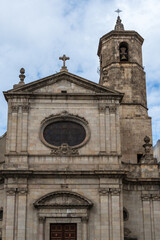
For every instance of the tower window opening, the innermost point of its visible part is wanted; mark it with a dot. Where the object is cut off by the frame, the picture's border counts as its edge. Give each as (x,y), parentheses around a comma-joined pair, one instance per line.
(123,52)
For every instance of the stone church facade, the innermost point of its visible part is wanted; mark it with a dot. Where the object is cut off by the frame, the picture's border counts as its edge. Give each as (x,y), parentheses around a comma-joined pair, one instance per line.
(78,161)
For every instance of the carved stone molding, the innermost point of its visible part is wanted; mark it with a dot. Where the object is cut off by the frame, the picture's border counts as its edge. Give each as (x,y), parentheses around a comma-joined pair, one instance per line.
(64,115)
(63,199)
(103,191)
(64,150)
(112,109)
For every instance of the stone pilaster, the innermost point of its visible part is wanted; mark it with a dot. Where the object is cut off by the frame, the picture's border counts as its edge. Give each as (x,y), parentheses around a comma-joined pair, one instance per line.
(108,134)
(104,206)
(41,228)
(84,228)
(102,109)
(147,224)
(13,128)
(116,209)
(25,110)
(10,213)
(112,110)
(21,228)
(19,129)
(156,215)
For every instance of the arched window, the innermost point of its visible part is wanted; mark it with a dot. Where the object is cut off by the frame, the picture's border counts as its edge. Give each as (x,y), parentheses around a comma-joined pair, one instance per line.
(123,52)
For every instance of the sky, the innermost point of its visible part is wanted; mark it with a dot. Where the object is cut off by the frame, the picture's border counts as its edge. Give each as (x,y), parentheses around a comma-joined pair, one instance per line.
(35,33)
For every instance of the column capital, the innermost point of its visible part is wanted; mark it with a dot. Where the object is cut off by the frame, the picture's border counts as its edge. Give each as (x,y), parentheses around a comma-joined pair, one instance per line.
(84,219)
(42,219)
(103,191)
(11,191)
(115,191)
(25,108)
(14,108)
(22,191)
(112,109)
(102,107)
(156,197)
(146,197)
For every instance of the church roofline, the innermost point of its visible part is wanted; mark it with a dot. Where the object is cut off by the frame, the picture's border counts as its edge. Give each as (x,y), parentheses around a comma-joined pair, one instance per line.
(22,90)
(114,33)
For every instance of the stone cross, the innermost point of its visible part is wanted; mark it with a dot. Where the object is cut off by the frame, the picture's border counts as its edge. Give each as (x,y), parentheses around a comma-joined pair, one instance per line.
(64,58)
(118,11)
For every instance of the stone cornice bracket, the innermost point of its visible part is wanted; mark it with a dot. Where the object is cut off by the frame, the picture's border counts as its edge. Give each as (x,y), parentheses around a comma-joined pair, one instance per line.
(112,109)
(103,191)
(102,107)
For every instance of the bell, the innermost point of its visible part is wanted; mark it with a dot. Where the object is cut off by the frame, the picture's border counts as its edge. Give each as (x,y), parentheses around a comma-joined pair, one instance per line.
(123,57)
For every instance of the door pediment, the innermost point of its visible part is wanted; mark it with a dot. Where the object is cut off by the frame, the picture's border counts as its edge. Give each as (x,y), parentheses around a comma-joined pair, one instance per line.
(63,199)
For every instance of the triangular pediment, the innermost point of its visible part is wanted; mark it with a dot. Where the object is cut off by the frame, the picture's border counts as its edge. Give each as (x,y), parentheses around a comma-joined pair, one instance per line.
(63,199)
(62,82)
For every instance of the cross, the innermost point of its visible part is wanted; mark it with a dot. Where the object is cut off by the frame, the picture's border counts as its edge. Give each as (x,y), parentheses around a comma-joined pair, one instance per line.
(64,58)
(118,11)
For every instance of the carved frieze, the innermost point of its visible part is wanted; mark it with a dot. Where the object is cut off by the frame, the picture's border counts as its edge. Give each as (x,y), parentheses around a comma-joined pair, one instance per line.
(64,150)
(115,191)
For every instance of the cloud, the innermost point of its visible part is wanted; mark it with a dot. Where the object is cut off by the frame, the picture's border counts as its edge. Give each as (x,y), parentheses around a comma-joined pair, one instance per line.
(35,33)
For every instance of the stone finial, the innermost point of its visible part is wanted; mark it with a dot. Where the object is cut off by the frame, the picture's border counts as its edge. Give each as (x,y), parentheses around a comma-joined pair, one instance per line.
(147,157)
(119,26)
(22,76)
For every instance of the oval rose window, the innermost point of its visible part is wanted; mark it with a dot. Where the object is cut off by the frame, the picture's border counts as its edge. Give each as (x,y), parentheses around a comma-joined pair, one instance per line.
(69,132)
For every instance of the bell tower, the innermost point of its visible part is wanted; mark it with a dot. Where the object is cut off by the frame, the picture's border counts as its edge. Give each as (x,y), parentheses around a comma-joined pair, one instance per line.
(121,68)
